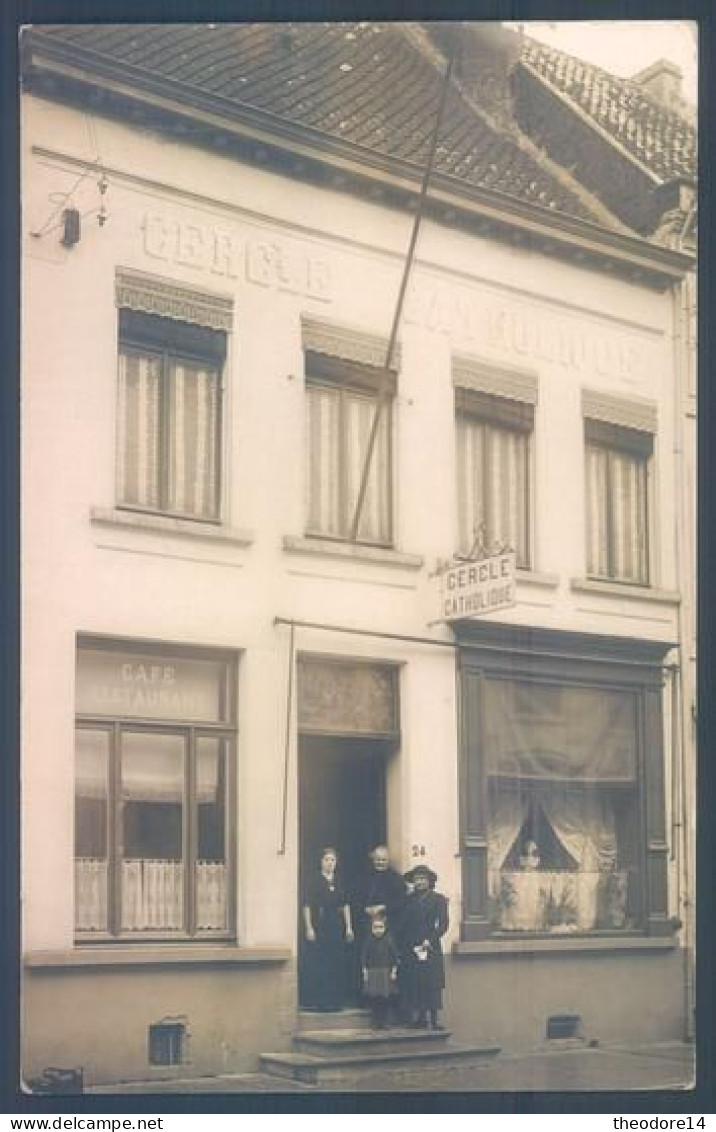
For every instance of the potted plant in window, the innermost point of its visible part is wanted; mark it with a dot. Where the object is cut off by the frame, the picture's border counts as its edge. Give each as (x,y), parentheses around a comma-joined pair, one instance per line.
(560,913)
(503,902)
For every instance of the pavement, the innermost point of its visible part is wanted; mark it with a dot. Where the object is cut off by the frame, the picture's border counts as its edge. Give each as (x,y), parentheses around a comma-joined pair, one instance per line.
(569,1067)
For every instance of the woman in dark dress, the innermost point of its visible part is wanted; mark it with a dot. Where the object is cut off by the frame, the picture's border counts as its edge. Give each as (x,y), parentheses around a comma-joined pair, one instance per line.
(424,922)
(327,925)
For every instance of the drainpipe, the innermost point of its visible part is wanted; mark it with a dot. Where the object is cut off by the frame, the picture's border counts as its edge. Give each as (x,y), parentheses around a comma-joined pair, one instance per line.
(681,818)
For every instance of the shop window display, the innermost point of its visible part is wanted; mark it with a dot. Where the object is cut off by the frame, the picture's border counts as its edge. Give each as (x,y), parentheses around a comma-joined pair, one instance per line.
(563,814)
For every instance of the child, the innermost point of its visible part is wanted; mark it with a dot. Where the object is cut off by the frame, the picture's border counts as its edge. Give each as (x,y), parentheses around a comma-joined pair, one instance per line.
(379,962)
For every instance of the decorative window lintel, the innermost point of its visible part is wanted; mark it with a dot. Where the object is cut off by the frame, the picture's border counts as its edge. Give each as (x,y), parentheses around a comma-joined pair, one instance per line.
(137,291)
(483,376)
(639,414)
(349,344)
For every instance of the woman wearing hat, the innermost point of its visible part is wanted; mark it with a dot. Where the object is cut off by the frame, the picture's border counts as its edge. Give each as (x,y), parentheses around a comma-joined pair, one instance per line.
(425,921)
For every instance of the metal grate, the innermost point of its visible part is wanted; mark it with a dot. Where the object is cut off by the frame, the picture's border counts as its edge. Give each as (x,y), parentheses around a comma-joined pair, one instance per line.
(166,1043)
(564,1026)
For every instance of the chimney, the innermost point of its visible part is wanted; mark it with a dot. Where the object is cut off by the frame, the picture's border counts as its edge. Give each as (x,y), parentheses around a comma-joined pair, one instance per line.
(662,79)
(486,55)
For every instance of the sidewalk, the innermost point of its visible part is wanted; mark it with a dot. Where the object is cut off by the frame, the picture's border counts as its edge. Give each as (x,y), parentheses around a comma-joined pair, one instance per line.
(574,1068)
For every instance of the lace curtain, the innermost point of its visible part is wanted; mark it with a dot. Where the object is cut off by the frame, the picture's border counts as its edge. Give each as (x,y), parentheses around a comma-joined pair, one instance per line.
(558,748)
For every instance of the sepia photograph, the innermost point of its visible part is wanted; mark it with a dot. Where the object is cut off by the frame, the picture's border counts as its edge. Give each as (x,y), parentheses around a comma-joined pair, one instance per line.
(358,557)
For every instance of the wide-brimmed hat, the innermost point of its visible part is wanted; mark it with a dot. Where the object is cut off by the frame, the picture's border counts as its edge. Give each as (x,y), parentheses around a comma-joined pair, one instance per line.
(419,870)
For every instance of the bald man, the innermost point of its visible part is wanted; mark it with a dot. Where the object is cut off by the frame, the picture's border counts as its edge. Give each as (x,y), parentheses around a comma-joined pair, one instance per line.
(383,891)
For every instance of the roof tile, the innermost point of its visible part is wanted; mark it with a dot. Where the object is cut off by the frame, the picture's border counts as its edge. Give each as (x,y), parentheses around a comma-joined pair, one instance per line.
(364,83)
(664,140)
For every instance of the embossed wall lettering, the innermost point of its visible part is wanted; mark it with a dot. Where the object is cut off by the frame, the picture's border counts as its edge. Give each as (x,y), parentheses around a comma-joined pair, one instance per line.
(528,333)
(280,264)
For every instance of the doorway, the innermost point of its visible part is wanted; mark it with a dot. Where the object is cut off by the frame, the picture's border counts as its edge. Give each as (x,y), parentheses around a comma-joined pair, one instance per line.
(342,802)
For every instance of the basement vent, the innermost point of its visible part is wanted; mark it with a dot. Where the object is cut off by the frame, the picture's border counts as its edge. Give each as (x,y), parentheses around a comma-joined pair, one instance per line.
(166,1043)
(564,1026)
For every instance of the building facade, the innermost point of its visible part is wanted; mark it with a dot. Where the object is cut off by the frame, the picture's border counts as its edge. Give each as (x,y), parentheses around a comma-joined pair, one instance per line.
(222,670)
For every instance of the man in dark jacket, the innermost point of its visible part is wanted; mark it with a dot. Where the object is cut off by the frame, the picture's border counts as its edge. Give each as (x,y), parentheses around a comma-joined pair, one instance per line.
(382,893)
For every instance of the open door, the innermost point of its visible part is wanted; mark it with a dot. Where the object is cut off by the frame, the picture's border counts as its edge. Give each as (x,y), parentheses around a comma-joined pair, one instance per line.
(342,802)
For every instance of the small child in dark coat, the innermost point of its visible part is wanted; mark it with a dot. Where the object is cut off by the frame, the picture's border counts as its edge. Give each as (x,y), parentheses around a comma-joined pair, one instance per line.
(379,962)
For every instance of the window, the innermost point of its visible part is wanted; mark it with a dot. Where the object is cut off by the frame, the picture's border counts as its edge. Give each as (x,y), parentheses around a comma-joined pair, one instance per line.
(493,473)
(562,783)
(167,1041)
(341,399)
(619,442)
(617,502)
(169,416)
(563,817)
(154,750)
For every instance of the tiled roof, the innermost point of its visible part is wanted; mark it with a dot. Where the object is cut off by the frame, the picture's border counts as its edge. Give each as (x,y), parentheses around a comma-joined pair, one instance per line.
(663,140)
(364,83)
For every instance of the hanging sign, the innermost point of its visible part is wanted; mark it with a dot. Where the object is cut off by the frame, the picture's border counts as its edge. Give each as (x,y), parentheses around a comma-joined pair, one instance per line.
(478,586)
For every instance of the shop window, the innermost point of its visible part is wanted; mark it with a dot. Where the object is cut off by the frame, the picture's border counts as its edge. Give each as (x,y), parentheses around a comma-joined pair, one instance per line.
(493,472)
(341,401)
(562,783)
(153,761)
(617,466)
(562,807)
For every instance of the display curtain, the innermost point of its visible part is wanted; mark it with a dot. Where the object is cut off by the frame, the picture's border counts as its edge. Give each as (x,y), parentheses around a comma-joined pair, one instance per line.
(507,814)
(584,824)
(571,734)
(557,748)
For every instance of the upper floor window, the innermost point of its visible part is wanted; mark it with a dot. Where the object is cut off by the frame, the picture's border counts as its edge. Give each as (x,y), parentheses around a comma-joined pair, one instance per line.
(617,466)
(169,426)
(493,471)
(154,751)
(342,395)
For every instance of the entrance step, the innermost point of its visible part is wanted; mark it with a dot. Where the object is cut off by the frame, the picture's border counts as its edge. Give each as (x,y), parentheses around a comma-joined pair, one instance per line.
(342,1067)
(353,1018)
(331,1043)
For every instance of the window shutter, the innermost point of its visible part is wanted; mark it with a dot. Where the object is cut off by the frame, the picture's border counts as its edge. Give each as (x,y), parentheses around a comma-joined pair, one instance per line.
(497,410)
(159,333)
(619,422)
(619,438)
(505,395)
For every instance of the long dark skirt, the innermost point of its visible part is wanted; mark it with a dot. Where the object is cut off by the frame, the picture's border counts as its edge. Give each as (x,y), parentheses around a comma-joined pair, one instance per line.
(422,983)
(327,973)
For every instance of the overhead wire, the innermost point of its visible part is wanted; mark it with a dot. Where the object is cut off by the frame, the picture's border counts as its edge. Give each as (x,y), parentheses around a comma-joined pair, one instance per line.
(382,394)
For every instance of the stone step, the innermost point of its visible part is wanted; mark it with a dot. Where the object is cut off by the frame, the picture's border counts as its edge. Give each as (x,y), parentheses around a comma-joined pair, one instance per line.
(330,1043)
(352,1018)
(347,1069)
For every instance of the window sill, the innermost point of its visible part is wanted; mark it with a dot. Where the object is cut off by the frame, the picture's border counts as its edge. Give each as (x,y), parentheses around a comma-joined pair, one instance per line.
(99,955)
(564,945)
(533,578)
(167,525)
(356,552)
(625,590)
